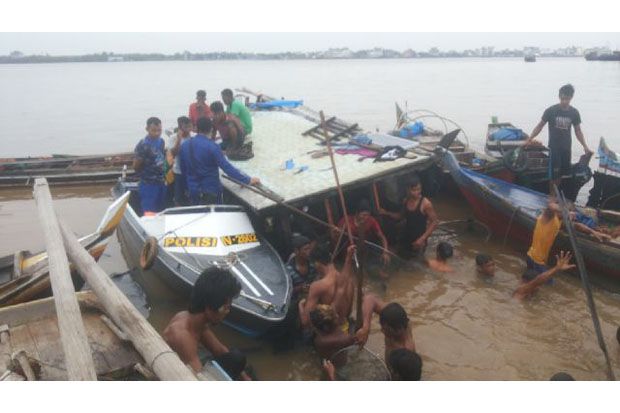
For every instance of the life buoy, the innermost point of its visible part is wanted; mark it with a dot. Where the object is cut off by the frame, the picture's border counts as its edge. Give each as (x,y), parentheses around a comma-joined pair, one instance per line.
(149,253)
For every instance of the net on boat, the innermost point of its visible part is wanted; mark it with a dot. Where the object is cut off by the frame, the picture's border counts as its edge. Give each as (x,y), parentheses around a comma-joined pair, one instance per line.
(359,364)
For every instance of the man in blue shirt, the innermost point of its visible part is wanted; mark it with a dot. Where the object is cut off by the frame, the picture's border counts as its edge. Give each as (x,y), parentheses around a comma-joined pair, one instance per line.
(201,159)
(149,164)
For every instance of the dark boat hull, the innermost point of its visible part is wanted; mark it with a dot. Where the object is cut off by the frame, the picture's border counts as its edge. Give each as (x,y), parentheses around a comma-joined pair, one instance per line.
(513,216)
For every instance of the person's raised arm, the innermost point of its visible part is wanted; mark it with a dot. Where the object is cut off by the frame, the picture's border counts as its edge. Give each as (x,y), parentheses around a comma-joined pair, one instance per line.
(370,305)
(562,264)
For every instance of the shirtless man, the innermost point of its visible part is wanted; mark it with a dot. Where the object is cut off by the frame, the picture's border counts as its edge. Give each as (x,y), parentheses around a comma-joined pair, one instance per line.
(440,262)
(334,288)
(527,288)
(210,303)
(394,324)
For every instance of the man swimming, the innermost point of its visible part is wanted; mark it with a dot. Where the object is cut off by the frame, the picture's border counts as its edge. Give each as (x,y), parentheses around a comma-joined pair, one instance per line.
(444,252)
(485,265)
(527,288)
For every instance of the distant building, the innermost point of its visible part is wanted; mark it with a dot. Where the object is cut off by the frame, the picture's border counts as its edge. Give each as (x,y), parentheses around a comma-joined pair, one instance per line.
(341,53)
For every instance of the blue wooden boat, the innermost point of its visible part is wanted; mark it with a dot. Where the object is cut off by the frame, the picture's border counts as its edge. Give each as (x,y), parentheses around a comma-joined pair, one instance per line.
(510,211)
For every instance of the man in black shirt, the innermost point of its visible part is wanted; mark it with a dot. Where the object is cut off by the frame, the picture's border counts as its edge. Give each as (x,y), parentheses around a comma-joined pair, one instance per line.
(560,118)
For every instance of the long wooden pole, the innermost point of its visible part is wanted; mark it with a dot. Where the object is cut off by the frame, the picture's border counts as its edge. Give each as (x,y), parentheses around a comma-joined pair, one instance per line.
(78,357)
(359,271)
(160,358)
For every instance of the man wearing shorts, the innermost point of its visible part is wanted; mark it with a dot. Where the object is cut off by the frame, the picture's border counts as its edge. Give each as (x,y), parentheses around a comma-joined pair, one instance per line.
(560,117)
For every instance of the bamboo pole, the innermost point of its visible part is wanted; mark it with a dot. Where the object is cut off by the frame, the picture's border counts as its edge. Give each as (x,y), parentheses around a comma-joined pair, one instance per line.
(358,264)
(159,357)
(78,357)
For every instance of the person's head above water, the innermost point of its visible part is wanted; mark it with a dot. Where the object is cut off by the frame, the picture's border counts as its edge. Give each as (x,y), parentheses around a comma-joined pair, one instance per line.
(405,365)
(227,96)
(153,127)
(566,94)
(485,265)
(324,318)
(444,251)
(213,293)
(203,126)
(393,319)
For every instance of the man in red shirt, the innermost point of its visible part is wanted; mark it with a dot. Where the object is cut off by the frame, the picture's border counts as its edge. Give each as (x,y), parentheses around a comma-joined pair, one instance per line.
(200,108)
(362,223)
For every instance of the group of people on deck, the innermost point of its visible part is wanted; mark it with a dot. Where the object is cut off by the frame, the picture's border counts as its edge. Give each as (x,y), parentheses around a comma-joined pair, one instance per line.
(187,167)
(322,293)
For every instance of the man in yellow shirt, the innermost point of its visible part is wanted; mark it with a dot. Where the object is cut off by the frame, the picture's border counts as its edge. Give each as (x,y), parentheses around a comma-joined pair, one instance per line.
(547,227)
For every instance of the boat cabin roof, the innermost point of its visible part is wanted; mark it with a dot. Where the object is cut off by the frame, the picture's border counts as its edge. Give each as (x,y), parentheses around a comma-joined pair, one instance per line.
(277,137)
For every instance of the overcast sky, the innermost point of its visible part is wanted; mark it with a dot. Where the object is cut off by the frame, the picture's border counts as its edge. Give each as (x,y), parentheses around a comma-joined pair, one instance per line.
(83,43)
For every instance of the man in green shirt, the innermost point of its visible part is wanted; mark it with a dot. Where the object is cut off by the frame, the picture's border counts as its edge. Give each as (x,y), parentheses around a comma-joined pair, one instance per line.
(238,109)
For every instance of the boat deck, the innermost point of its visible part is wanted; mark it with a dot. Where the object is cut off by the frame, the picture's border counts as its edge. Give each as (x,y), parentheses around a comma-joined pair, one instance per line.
(278,136)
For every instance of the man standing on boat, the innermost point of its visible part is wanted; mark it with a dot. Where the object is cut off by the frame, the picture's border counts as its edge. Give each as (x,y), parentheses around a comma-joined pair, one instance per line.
(149,164)
(199,108)
(201,159)
(174,145)
(560,117)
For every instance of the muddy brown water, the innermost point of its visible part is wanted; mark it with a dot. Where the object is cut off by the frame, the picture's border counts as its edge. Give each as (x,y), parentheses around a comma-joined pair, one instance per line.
(465,328)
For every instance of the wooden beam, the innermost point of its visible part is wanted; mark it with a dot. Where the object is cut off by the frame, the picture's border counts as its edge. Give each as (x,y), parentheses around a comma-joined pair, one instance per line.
(78,357)
(159,357)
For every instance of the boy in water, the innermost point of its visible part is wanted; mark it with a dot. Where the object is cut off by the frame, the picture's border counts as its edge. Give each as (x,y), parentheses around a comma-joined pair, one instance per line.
(328,338)
(527,288)
(485,265)
(440,262)
(210,303)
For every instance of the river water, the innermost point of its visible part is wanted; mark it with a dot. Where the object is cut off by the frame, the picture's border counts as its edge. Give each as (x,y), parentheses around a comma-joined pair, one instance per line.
(465,328)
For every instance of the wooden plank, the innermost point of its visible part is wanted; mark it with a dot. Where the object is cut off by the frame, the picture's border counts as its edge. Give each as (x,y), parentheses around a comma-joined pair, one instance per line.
(159,357)
(78,359)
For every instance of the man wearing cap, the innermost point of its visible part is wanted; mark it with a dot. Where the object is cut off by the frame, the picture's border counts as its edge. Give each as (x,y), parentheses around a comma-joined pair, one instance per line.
(299,267)
(199,108)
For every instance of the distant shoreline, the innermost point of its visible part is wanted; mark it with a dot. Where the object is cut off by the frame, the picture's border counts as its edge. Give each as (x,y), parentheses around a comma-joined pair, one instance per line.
(5,60)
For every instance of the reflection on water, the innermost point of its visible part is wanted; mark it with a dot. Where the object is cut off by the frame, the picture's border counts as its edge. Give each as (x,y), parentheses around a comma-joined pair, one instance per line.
(465,328)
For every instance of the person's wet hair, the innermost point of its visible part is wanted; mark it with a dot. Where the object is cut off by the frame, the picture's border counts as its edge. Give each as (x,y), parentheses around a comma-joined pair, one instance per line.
(201,94)
(562,376)
(321,254)
(394,316)
(183,120)
(363,206)
(323,318)
(567,90)
(444,250)
(213,288)
(153,121)
(203,125)
(483,259)
(405,364)
(227,92)
(217,107)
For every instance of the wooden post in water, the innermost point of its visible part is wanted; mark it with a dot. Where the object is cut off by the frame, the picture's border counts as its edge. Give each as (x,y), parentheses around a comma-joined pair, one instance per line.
(78,357)
(159,357)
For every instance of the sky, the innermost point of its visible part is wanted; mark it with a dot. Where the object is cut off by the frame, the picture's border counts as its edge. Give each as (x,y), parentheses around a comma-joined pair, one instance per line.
(84,43)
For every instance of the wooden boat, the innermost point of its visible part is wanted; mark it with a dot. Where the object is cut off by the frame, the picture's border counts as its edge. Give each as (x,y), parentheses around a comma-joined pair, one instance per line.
(528,166)
(606,190)
(510,211)
(24,276)
(190,239)
(530,58)
(33,328)
(65,169)
(606,57)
